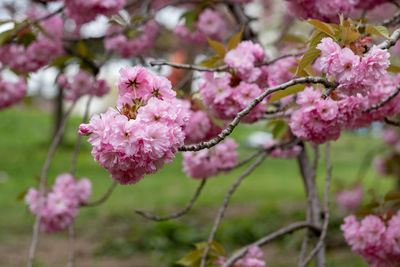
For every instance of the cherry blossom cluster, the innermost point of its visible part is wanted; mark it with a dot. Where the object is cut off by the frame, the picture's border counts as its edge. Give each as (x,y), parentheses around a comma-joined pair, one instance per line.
(225,101)
(210,24)
(375,239)
(200,127)
(253,258)
(243,59)
(11,93)
(350,199)
(40,52)
(319,120)
(60,206)
(85,11)
(134,46)
(285,153)
(355,74)
(83,83)
(328,10)
(210,162)
(144,132)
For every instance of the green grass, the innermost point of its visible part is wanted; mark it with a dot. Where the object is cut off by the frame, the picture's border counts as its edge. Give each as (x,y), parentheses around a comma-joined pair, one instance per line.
(272,193)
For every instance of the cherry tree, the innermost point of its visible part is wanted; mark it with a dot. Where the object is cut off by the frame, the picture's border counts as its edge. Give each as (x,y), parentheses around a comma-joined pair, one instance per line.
(307,91)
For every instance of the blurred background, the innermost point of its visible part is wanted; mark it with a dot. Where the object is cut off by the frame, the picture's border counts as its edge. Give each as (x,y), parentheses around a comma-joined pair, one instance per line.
(112,234)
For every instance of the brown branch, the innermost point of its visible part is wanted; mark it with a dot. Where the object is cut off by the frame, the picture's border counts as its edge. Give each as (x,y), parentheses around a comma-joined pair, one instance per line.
(30,23)
(103,198)
(393,123)
(79,139)
(187,66)
(177,214)
(267,239)
(224,205)
(393,21)
(321,241)
(42,186)
(220,68)
(383,102)
(391,41)
(71,234)
(231,126)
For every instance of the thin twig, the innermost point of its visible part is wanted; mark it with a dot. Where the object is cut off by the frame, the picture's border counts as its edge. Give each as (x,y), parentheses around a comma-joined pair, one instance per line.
(391,41)
(216,69)
(224,205)
(103,198)
(23,26)
(43,179)
(393,21)
(71,234)
(187,66)
(231,126)
(267,239)
(177,214)
(394,123)
(386,100)
(321,241)
(79,139)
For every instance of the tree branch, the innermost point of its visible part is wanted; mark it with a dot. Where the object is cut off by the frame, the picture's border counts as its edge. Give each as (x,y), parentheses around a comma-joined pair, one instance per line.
(321,241)
(383,102)
(177,214)
(224,205)
(267,239)
(231,126)
(42,186)
(79,139)
(394,123)
(103,198)
(391,41)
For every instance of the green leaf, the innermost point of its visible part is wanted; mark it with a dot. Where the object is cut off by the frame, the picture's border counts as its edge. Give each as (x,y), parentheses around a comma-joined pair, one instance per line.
(377,30)
(82,49)
(288,91)
(131,33)
(393,68)
(5,35)
(279,128)
(347,34)
(191,258)
(27,39)
(217,248)
(392,195)
(211,62)
(190,17)
(322,26)
(235,40)
(363,212)
(22,194)
(218,47)
(312,52)
(372,205)
(291,38)
(60,61)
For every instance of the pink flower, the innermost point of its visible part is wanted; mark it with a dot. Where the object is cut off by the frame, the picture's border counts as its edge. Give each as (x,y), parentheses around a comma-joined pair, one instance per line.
(59,206)
(11,93)
(224,101)
(85,11)
(83,83)
(210,24)
(144,133)
(350,199)
(142,41)
(210,162)
(243,59)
